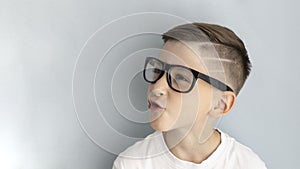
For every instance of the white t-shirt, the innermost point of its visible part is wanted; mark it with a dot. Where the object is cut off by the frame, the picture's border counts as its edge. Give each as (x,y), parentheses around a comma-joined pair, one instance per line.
(152,153)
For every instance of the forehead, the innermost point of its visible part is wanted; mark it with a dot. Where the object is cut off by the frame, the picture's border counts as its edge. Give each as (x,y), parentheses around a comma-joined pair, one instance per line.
(186,54)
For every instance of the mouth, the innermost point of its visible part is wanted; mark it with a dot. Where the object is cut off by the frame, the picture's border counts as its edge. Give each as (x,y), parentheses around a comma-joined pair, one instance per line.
(154,106)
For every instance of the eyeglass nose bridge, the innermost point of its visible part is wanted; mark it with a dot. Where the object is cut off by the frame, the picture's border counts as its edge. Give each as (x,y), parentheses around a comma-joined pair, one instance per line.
(165,69)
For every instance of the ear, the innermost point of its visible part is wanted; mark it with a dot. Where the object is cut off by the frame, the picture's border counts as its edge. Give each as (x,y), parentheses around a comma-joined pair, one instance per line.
(225,104)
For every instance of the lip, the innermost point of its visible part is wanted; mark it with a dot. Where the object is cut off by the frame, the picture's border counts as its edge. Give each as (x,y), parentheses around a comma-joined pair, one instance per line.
(155,106)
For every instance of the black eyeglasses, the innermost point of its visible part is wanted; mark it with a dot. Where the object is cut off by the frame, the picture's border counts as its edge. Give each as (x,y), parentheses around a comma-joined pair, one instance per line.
(180,78)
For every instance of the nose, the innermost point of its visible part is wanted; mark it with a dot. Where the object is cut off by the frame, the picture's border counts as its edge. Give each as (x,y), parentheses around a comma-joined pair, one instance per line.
(157,93)
(160,87)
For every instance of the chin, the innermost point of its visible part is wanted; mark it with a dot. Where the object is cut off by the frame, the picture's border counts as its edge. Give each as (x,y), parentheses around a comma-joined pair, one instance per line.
(156,126)
(160,126)
(160,121)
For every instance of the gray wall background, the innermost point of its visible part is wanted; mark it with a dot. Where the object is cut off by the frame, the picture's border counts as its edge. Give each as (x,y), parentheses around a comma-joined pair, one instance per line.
(39,45)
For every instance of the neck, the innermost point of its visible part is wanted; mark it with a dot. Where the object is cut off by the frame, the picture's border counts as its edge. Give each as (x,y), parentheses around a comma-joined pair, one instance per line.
(192,147)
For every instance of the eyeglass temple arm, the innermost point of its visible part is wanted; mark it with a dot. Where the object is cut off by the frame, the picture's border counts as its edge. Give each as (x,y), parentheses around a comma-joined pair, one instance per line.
(214,82)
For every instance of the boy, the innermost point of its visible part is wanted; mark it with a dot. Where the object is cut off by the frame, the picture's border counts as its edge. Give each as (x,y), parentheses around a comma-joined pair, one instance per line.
(194,81)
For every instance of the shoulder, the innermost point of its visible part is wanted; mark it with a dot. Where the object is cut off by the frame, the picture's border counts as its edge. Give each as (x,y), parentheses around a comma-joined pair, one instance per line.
(139,152)
(145,147)
(242,155)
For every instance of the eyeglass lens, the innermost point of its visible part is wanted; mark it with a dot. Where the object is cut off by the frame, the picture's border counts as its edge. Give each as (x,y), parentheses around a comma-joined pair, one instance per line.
(179,78)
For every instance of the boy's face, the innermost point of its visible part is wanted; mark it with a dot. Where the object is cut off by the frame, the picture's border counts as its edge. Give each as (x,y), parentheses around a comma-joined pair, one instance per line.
(179,110)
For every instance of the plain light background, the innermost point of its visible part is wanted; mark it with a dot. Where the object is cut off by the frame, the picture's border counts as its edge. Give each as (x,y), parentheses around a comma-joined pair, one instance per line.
(39,45)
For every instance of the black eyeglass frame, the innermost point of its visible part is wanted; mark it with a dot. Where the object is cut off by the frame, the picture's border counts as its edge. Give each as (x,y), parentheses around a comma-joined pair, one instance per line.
(166,68)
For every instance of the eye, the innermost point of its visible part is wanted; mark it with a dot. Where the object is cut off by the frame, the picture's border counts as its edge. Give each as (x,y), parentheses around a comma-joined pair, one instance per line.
(180,77)
(155,70)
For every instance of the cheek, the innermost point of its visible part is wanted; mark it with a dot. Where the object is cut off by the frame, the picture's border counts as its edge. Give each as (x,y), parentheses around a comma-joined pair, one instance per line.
(190,105)
(199,100)
(205,99)
(183,111)
(183,104)
(174,104)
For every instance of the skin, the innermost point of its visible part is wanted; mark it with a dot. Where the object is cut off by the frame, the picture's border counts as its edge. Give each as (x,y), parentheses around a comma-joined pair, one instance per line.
(187,119)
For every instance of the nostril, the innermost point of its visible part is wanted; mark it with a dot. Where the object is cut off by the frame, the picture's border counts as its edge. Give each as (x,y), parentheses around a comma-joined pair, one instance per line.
(157,92)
